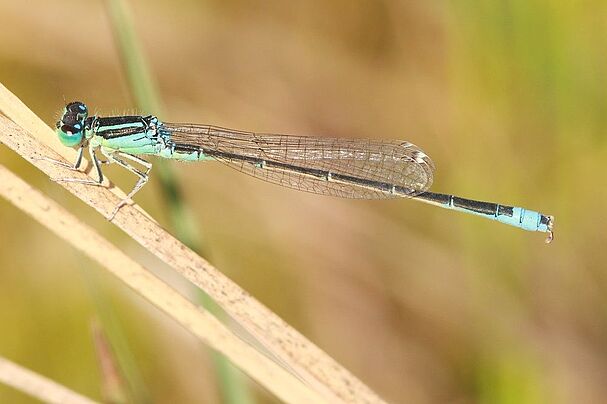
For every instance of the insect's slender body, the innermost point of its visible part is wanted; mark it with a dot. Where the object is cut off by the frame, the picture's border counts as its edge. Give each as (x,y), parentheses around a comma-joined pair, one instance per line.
(364,169)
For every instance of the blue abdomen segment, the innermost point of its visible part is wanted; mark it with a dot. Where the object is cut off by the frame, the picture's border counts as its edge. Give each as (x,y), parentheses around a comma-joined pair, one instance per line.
(525,219)
(514,216)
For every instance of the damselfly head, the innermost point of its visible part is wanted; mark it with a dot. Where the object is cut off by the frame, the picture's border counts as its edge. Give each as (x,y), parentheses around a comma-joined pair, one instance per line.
(70,128)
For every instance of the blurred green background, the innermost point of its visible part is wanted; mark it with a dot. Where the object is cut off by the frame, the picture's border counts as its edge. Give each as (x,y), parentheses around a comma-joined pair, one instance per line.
(422,304)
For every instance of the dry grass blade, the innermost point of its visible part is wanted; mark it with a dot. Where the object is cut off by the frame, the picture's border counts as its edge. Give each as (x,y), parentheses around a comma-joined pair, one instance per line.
(316,368)
(38,386)
(200,323)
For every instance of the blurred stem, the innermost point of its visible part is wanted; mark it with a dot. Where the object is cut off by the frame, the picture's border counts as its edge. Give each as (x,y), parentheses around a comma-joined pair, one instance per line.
(135,389)
(114,387)
(144,91)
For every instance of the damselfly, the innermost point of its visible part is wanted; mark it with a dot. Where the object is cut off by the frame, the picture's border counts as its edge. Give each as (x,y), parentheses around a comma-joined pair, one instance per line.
(349,168)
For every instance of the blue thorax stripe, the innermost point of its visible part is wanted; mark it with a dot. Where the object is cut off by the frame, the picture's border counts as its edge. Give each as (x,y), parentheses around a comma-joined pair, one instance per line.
(113,127)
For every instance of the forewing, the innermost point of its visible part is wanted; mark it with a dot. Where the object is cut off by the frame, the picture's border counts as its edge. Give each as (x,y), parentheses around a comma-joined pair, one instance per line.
(321,163)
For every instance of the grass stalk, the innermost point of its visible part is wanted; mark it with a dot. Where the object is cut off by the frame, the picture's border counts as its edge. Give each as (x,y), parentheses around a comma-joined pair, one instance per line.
(38,386)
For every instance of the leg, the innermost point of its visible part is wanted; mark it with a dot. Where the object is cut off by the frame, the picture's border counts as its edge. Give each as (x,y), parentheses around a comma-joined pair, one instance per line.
(96,163)
(73,167)
(119,158)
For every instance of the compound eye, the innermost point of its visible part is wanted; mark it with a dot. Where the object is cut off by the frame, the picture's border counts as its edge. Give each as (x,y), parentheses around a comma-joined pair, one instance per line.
(77,107)
(71,129)
(69,119)
(70,135)
(68,129)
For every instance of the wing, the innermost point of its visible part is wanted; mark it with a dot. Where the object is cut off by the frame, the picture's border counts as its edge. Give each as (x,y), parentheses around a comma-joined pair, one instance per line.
(349,168)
